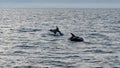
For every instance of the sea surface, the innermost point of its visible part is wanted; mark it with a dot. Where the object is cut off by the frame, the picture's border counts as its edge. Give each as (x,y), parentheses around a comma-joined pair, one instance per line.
(25,40)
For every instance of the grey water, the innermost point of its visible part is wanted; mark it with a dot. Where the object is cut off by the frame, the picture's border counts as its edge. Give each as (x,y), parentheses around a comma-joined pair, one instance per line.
(25,41)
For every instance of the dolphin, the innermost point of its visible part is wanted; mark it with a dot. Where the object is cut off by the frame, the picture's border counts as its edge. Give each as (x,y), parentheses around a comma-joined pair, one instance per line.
(75,38)
(55,31)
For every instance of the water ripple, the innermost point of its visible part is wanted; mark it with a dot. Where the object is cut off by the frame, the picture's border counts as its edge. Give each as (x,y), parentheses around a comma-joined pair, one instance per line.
(98,51)
(28,30)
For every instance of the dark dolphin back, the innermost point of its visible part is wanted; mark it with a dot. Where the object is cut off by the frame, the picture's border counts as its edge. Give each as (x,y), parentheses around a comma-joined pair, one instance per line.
(76,38)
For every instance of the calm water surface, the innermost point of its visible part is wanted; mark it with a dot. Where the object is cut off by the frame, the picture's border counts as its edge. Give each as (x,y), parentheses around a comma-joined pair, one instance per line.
(25,41)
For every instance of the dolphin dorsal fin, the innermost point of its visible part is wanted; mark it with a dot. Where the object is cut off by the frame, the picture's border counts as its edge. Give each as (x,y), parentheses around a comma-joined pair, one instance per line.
(57,28)
(72,34)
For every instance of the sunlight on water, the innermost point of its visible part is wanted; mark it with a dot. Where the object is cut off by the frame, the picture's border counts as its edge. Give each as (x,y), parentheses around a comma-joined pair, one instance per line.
(25,40)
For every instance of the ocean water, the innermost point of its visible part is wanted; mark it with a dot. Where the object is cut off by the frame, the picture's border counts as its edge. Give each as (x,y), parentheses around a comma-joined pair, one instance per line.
(25,41)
